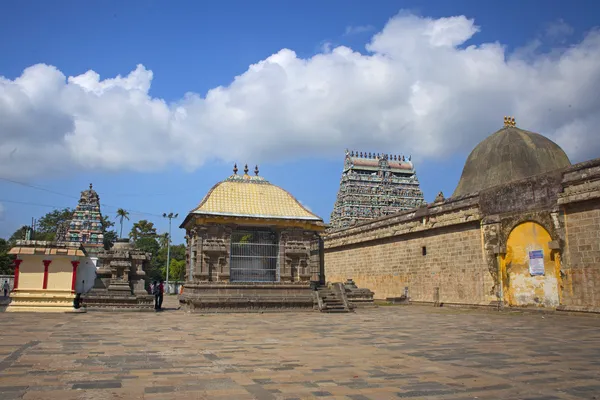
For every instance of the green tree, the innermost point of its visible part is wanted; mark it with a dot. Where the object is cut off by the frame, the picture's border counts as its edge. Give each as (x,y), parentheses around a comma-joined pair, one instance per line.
(163,240)
(19,234)
(109,235)
(6,260)
(121,215)
(176,270)
(150,245)
(109,239)
(46,226)
(142,229)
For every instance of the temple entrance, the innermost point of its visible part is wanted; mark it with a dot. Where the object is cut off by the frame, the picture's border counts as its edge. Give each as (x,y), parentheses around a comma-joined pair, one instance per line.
(530,270)
(254,256)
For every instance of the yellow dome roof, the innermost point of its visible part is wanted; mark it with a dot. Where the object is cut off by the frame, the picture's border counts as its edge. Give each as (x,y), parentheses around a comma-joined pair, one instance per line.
(254,197)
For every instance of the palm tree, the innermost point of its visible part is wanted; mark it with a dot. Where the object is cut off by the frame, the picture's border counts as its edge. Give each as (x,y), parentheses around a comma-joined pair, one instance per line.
(163,239)
(142,229)
(122,214)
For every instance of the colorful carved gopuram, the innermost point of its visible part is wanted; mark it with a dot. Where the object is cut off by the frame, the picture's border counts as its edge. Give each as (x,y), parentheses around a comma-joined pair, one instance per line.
(252,246)
(373,186)
(86,225)
(48,275)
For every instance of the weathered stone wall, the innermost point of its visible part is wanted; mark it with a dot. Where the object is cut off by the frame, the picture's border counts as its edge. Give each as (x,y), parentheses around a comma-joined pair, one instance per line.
(581,213)
(453,263)
(386,255)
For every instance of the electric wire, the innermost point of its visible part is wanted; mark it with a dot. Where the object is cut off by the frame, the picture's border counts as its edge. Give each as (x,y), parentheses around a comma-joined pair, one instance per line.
(136,212)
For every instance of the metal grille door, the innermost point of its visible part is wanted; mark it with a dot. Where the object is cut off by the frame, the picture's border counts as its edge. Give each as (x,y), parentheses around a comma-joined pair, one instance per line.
(254,257)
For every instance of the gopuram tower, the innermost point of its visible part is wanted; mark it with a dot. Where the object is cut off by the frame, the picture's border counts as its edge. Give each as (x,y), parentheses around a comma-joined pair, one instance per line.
(374,185)
(86,225)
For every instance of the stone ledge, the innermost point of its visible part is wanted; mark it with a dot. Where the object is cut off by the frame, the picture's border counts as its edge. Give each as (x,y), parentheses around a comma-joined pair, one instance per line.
(247,304)
(449,205)
(579,196)
(581,309)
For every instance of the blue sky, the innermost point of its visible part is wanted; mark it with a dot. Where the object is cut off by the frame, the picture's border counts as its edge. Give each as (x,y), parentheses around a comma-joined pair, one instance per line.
(198,46)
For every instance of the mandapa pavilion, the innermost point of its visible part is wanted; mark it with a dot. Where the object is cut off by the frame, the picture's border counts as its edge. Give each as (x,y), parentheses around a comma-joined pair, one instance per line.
(251,246)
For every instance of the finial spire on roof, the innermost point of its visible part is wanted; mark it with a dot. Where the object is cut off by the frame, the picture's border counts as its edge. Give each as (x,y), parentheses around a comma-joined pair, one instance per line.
(256,170)
(509,121)
(235,170)
(246,169)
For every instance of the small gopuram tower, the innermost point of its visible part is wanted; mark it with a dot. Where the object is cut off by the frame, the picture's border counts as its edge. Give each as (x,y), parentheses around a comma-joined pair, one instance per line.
(120,280)
(374,185)
(86,225)
(250,246)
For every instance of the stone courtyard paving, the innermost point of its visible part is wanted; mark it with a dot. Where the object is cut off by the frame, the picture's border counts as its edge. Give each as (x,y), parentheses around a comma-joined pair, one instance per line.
(387,353)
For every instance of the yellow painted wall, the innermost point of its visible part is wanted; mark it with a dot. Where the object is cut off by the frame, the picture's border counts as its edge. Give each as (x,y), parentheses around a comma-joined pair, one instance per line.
(31,272)
(520,288)
(60,274)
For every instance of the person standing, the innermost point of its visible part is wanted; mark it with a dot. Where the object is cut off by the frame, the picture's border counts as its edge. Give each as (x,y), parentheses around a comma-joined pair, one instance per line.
(6,288)
(161,290)
(155,291)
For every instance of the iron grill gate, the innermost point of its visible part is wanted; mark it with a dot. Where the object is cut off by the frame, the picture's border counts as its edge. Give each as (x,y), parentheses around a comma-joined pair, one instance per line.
(254,257)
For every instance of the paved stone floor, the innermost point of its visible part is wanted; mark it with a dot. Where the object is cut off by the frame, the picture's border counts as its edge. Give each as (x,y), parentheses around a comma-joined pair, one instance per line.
(394,352)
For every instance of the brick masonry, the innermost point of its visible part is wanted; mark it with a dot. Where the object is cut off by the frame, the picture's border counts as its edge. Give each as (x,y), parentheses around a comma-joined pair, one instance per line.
(581,212)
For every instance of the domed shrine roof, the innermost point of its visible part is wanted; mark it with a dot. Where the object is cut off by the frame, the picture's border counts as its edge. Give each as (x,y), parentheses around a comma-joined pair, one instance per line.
(252,196)
(509,155)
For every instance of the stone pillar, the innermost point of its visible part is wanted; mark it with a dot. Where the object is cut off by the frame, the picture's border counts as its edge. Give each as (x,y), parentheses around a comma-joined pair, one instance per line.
(224,272)
(322,279)
(197,256)
(190,261)
(493,250)
(46,265)
(207,268)
(74,276)
(202,271)
(16,282)
(285,263)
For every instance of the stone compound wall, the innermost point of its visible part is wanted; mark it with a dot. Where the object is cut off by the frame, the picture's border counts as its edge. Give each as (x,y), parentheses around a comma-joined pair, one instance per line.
(580,203)
(387,255)
(466,237)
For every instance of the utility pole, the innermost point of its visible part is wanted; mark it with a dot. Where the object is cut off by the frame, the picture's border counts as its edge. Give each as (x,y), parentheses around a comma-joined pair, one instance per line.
(170,216)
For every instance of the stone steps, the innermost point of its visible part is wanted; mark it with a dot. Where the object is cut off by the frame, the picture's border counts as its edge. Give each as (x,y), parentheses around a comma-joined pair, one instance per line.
(331,302)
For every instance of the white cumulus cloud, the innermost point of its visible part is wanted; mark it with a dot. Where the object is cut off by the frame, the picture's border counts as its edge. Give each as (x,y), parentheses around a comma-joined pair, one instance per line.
(420,88)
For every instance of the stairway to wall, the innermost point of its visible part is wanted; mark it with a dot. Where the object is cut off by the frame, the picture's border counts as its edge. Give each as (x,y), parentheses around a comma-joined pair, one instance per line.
(331,299)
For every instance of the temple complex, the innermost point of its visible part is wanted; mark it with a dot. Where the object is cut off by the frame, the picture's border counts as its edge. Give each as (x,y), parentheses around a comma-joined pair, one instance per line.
(521,230)
(120,280)
(48,275)
(86,225)
(373,186)
(251,246)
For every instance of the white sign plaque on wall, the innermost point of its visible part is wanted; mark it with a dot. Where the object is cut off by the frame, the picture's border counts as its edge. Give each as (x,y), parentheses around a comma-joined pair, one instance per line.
(536,262)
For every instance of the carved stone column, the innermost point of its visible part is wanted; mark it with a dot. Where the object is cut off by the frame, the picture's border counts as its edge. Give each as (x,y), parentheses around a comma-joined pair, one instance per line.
(285,268)
(197,257)
(224,273)
(297,254)
(214,256)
